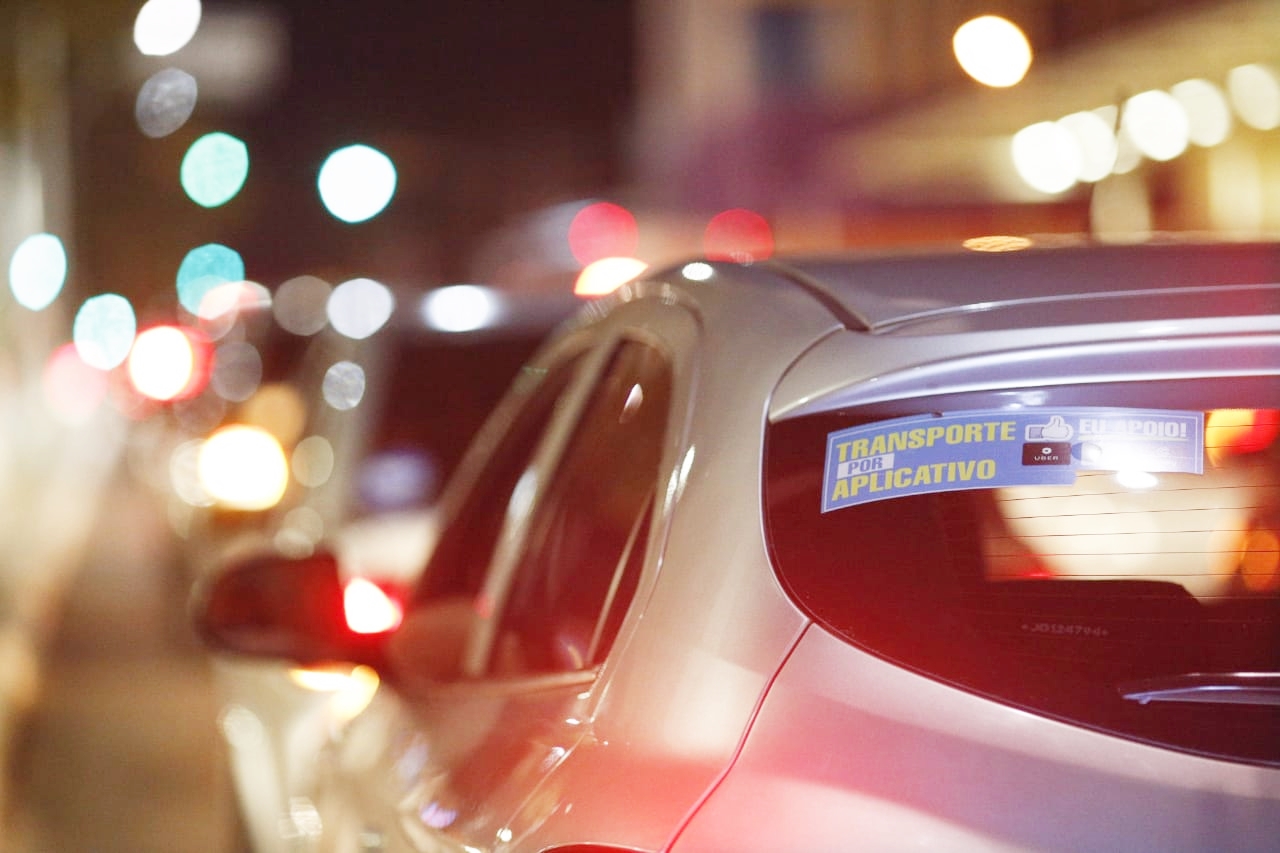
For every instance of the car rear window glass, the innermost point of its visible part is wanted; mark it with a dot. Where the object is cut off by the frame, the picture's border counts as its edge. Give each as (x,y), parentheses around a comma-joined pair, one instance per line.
(1114,567)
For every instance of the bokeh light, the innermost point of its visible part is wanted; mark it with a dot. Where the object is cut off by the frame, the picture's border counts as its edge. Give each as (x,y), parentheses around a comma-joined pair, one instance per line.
(103,330)
(1047,157)
(1260,561)
(697,271)
(163,27)
(343,385)
(1255,95)
(204,268)
(356,183)
(1233,432)
(278,408)
(1096,141)
(997,243)
(1208,113)
(460,308)
(368,608)
(607,275)
(37,271)
(73,390)
(300,532)
(225,304)
(397,479)
(738,235)
(1128,156)
(184,474)
(214,169)
(165,102)
(237,371)
(312,461)
(360,307)
(992,50)
(1157,124)
(603,230)
(350,701)
(169,363)
(301,305)
(243,467)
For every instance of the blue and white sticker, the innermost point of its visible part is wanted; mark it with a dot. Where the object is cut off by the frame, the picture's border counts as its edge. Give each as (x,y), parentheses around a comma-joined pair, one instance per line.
(988,449)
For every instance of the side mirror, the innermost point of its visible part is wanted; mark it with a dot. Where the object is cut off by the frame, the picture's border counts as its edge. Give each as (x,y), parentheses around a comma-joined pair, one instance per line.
(275,607)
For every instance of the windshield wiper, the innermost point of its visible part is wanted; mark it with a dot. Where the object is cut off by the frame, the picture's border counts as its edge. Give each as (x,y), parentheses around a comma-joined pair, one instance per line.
(1210,688)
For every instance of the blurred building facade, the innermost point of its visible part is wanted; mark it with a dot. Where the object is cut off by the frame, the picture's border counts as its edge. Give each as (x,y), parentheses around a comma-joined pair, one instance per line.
(851,122)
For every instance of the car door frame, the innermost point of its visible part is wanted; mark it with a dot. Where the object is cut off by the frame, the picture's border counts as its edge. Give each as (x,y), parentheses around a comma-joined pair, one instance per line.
(570,697)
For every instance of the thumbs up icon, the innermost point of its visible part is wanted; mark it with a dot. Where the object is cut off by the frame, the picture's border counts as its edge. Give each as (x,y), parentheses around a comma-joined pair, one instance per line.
(1055,430)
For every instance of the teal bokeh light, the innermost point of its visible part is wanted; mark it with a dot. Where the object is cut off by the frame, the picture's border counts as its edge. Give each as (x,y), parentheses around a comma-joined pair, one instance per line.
(37,271)
(103,331)
(204,268)
(214,169)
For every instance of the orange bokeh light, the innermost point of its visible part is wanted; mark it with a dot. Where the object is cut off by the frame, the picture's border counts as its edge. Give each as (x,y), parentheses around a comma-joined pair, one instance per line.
(1231,432)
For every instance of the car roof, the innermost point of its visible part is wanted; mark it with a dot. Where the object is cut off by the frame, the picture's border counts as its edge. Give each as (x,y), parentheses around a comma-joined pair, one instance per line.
(879,292)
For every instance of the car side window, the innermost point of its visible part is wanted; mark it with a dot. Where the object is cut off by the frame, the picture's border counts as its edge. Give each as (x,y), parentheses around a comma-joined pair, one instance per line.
(461,557)
(587,538)
(431,644)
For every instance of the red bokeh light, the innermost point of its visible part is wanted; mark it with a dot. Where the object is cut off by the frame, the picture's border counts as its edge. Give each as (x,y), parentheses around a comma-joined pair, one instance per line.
(738,235)
(72,389)
(603,230)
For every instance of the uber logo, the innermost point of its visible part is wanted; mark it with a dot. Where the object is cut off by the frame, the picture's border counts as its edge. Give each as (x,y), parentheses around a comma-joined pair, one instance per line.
(1046,453)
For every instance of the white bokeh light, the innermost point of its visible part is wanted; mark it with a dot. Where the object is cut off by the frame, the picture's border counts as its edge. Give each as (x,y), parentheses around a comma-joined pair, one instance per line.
(312,461)
(697,271)
(1255,95)
(992,50)
(356,183)
(243,467)
(163,27)
(165,102)
(162,362)
(1208,113)
(1157,124)
(301,304)
(237,372)
(360,307)
(1097,143)
(343,385)
(460,308)
(184,475)
(1047,157)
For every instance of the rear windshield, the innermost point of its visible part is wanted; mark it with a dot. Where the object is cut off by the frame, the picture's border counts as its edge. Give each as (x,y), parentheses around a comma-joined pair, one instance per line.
(1109,565)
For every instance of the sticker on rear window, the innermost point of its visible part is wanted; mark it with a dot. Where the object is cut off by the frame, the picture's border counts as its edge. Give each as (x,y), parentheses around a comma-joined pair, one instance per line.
(987,449)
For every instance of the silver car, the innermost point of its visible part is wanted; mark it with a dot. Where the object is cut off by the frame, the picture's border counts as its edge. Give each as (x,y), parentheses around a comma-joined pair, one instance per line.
(972,550)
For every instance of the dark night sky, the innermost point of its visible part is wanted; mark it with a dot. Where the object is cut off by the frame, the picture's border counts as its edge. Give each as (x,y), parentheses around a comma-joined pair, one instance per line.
(484,66)
(488,108)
